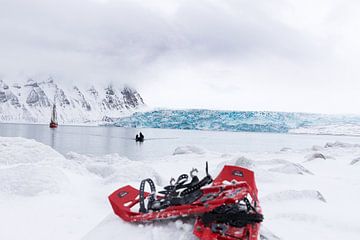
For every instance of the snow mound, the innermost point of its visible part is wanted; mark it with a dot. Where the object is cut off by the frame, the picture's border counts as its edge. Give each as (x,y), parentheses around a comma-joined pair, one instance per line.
(25,151)
(245,162)
(133,172)
(338,144)
(301,217)
(273,162)
(317,148)
(266,234)
(29,168)
(113,168)
(237,161)
(188,150)
(355,161)
(286,149)
(30,180)
(114,228)
(291,168)
(291,195)
(102,166)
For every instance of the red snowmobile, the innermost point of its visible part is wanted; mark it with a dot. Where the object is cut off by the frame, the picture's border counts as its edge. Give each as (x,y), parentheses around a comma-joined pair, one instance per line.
(225,208)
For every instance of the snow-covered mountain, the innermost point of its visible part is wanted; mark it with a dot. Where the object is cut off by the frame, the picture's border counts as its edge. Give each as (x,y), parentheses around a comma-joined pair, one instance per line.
(33,101)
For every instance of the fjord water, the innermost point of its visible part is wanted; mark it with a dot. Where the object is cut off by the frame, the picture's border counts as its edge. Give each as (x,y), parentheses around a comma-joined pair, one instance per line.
(100,140)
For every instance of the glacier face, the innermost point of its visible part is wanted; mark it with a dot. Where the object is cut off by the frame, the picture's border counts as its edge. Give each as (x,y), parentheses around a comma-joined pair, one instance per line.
(237,121)
(32,102)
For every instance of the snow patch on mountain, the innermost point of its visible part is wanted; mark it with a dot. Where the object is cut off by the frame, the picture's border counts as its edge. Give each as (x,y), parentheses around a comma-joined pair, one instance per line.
(33,101)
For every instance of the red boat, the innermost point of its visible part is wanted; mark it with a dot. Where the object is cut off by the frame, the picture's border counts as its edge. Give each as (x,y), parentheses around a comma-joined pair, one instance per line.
(225,208)
(53,121)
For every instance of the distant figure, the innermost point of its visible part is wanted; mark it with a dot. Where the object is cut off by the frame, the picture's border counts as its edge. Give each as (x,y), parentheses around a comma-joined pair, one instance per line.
(140,137)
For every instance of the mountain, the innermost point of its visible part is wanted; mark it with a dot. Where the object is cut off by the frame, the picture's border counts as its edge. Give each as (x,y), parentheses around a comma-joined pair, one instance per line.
(33,101)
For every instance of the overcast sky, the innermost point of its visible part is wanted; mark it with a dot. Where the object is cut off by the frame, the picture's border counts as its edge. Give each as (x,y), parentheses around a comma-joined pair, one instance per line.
(282,55)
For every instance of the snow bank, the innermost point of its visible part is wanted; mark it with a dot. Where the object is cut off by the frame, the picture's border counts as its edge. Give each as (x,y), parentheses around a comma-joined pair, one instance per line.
(30,180)
(29,168)
(25,151)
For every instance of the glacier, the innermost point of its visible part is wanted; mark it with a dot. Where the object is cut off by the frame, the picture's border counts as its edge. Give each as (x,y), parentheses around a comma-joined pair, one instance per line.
(32,101)
(243,121)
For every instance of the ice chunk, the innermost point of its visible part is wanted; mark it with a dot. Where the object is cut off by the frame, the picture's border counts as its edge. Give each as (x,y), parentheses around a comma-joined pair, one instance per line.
(340,145)
(355,161)
(317,148)
(188,150)
(291,168)
(315,156)
(291,195)
(285,149)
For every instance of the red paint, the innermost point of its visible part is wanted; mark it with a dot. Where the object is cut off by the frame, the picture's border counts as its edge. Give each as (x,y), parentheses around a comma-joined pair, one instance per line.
(53,125)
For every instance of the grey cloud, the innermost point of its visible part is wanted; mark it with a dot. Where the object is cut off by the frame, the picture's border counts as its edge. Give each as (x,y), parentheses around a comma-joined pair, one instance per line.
(143,43)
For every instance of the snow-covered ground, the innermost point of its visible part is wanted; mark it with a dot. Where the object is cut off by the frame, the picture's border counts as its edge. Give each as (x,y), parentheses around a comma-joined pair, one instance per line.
(305,193)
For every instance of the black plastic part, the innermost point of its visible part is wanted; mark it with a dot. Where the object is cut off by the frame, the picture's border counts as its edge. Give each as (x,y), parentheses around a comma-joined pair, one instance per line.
(235,215)
(172,194)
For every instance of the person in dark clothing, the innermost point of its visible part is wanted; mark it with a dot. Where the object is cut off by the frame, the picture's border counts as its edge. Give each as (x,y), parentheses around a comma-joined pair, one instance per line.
(140,137)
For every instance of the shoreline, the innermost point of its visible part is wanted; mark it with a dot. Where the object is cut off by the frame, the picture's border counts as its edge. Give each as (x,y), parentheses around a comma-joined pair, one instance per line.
(106,124)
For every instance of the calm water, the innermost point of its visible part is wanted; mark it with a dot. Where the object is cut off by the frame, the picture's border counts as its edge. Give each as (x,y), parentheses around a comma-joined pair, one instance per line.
(159,142)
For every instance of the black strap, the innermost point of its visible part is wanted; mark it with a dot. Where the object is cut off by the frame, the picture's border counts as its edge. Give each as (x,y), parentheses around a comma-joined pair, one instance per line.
(190,193)
(142,194)
(233,215)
